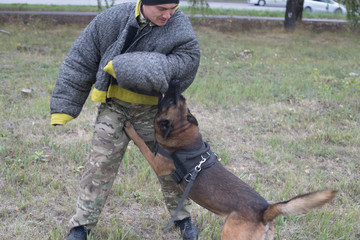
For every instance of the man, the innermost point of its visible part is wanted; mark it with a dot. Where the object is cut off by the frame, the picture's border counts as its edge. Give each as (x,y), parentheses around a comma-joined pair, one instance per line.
(129,53)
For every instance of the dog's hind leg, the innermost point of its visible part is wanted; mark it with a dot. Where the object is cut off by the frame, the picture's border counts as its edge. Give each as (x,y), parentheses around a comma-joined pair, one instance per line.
(236,227)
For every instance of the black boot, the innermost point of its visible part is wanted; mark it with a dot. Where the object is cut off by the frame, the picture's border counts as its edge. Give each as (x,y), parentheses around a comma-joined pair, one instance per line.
(78,233)
(188,230)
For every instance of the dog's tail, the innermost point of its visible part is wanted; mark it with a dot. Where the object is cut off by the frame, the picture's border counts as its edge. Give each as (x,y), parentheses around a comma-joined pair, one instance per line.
(299,204)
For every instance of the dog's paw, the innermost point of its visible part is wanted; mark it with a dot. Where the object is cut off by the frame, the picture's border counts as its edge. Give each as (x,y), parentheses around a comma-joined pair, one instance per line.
(127,124)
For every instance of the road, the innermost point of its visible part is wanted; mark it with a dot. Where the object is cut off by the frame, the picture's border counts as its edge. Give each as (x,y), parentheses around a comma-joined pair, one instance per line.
(222,5)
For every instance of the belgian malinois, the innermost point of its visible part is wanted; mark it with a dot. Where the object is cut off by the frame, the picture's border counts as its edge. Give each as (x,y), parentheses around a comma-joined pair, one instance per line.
(247,215)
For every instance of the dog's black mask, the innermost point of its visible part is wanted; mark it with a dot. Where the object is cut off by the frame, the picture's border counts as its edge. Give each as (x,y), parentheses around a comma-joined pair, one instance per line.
(171,98)
(166,127)
(172,95)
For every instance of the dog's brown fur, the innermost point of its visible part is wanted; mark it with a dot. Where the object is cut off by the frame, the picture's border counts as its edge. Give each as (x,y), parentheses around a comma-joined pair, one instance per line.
(247,215)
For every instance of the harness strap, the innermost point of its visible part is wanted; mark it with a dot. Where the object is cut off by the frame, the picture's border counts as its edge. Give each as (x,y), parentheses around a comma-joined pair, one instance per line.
(160,150)
(181,203)
(185,161)
(188,164)
(178,174)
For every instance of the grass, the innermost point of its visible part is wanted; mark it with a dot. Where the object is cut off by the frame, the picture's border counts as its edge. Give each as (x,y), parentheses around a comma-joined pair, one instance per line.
(187,10)
(281,110)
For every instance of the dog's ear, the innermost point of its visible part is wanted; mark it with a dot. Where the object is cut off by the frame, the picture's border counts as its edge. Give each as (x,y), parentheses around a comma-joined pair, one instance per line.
(165,126)
(191,118)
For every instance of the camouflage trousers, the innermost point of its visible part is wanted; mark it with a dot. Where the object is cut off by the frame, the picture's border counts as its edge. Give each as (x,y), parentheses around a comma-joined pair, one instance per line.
(109,144)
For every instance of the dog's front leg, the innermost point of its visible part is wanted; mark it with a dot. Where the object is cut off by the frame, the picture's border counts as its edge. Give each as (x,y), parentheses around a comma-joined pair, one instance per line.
(160,164)
(139,142)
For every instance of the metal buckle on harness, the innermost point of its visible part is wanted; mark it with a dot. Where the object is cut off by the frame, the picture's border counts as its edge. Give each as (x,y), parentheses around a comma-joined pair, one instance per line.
(188,177)
(197,168)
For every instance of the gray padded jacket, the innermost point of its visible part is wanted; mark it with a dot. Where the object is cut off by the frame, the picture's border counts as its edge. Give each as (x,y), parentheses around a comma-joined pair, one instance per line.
(156,56)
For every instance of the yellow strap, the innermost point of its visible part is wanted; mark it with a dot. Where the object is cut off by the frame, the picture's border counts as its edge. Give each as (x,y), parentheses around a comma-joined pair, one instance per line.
(98,96)
(122,93)
(60,118)
(131,97)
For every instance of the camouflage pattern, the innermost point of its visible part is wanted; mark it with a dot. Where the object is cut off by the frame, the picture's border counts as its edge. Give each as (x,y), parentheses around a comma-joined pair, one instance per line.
(172,195)
(108,147)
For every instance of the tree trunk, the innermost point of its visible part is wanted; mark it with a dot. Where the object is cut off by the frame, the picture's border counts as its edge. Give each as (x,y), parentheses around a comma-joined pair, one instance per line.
(290,15)
(299,10)
(294,11)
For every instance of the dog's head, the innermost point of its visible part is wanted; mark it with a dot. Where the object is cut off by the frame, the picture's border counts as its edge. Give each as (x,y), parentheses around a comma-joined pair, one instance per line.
(173,119)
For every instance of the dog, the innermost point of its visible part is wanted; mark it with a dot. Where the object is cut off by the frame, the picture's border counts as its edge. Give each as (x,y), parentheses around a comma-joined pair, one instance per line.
(246,214)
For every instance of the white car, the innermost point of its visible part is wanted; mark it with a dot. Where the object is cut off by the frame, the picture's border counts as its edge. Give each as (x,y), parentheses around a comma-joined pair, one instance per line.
(324,6)
(264,2)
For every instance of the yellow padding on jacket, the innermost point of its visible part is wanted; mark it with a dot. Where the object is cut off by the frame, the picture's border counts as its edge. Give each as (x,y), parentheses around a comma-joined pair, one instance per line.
(60,118)
(98,96)
(110,69)
(137,8)
(131,97)
(122,93)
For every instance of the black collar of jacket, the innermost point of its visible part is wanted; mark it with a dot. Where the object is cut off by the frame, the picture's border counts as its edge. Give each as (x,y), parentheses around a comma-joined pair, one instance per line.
(186,161)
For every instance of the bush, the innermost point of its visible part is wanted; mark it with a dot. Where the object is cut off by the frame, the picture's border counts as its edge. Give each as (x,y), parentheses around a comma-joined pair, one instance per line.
(353,13)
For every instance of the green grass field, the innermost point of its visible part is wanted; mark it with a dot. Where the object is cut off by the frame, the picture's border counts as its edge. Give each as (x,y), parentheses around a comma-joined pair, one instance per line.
(281,110)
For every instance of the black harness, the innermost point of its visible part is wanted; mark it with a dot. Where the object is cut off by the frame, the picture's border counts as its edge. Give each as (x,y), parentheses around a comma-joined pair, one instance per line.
(188,164)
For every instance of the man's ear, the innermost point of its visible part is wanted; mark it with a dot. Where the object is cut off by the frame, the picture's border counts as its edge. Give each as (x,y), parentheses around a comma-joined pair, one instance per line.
(192,119)
(165,126)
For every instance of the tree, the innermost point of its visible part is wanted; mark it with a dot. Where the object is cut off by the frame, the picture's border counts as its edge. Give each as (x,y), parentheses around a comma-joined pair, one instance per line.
(201,5)
(294,10)
(353,13)
(293,13)
(108,3)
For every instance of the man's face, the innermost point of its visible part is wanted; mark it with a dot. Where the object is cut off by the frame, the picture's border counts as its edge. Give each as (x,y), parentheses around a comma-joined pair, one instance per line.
(159,14)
